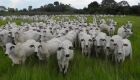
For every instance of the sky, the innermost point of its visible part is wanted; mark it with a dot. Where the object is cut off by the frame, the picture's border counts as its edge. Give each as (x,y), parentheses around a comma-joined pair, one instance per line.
(79,4)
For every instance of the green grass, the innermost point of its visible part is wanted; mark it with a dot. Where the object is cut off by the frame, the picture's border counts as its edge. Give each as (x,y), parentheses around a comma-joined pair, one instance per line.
(81,68)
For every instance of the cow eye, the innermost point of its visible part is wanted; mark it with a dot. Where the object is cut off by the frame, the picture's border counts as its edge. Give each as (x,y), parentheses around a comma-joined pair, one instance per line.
(97,29)
(10,33)
(93,38)
(63,33)
(38,30)
(51,32)
(34,29)
(82,39)
(112,40)
(40,46)
(44,31)
(71,48)
(67,31)
(125,44)
(103,40)
(44,36)
(125,31)
(115,44)
(60,48)
(32,46)
(16,32)
(12,47)
(90,40)
(119,53)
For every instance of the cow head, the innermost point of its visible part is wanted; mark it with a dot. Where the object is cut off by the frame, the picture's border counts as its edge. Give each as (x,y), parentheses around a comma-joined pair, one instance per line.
(9,49)
(66,49)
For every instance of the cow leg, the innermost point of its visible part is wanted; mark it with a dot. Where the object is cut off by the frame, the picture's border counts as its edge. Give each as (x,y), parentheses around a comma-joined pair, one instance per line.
(23,60)
(60,66)
(82,51)
(66,67)
(89,52)
(96,52)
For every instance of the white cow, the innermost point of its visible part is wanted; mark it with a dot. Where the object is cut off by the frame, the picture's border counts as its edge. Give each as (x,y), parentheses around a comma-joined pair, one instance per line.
(49,48)
(129,25)
(94,32)
(24,36)
(18,53)
(71,36)
(100,42)
(46,35)
(86,43)
(64,55)
(111,29)
(116,46)
(5,37)
(127,51)
(124,32)
(107,47)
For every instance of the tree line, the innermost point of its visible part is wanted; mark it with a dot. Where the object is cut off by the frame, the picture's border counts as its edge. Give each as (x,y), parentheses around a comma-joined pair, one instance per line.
(105,7)
(112,7)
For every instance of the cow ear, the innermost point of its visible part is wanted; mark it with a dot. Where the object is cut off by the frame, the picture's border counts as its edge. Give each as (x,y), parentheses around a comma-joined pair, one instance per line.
(96,29)
(12,47)
(125,27)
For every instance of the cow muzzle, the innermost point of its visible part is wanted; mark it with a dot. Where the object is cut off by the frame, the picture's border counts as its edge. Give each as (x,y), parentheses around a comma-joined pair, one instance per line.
(98,46)
(35,52)
(67,55)
(6,54)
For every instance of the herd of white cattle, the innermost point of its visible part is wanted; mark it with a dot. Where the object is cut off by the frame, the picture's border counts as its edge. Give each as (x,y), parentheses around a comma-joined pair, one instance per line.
(60,37)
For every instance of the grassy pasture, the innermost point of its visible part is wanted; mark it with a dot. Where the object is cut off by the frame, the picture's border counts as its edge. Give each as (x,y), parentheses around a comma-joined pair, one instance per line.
(81,68)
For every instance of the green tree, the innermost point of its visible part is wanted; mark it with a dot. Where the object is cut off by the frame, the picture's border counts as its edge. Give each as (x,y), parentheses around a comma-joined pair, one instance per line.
(123,7)
(29,8)
(123,3)
(11,9)
(109,7)
(24,10)
(56,3)
(50,8)
(108,3)
(135,10)
(93,7)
